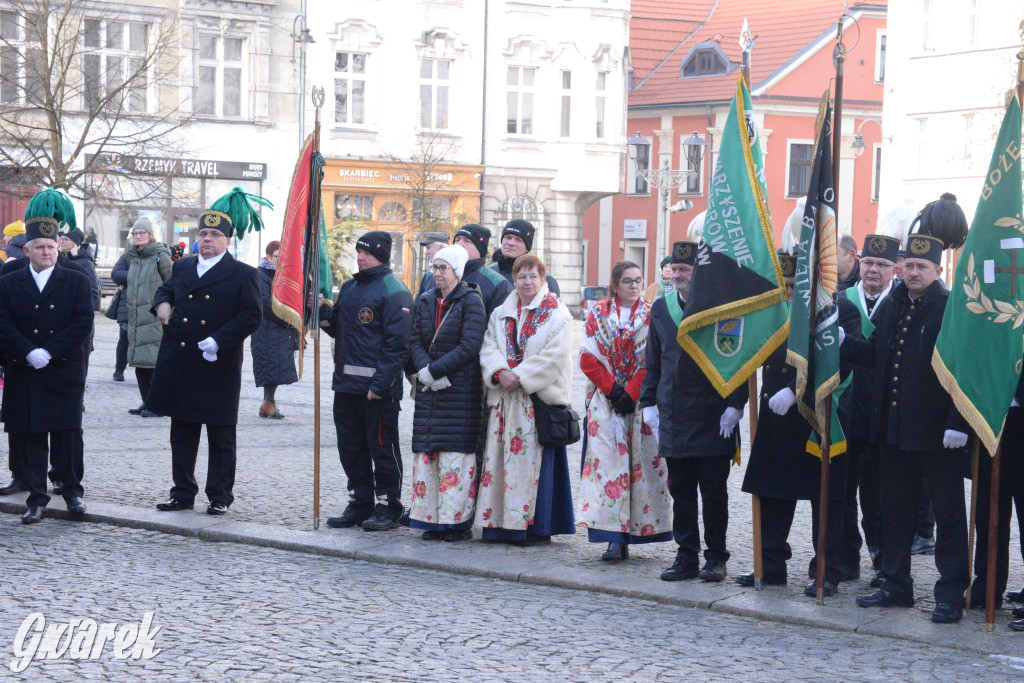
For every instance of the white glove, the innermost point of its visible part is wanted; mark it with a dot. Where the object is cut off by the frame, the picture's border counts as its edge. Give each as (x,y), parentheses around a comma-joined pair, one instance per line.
(954,439)
(1014,403)
(782,401)
(730,418)
(209,344)
(440,384)
(38,358)
(424,376)
(652,418)
(842,335)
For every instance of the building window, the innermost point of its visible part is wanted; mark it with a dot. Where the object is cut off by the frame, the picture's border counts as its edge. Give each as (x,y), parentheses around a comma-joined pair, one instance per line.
(602,82)
(926,24)
(220,75)
(357,206)
(432,209)
(635,184)
(706,61)
(799,169)
(519,94)
(392,211)
(922,144)
(115,54)
(880,58)
(876,174)
(434,79)
(527,209)
(349,88)
(564,127)
(20,59)
(973,20)
(693,162)
(397,251)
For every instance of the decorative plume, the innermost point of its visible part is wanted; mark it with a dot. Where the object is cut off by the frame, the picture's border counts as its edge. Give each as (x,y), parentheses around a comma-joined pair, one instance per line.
(791,231)
(944,219)
(244,217)
(52,204)
(696,229)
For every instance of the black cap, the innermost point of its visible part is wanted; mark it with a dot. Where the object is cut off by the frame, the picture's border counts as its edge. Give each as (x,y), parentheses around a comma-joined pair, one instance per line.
(926,247)
(376,243)
(684,252)
(881,246)
(522,229)
(478,235)
(787,263)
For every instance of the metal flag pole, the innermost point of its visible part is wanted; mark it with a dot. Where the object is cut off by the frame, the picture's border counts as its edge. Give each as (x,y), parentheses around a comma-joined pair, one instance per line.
(313,250)
(974,511)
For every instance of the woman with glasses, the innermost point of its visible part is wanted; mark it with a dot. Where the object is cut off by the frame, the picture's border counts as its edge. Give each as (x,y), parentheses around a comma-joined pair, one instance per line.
(525,494)
(145,265)
(624,495)
(275,342)
(448,329)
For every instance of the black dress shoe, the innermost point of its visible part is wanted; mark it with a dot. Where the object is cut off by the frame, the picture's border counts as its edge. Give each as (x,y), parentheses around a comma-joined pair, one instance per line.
(1017,625)
(532,540)
(851,574)
(216,508)
(616,551)
(137,411)
(58,487)
(75,506)
(828,589)
(922,546)
(978,597)
(14,486)
(747,580)
(683,568)
(1018,612)
(118,376)
(145,412)
(456,536)
(354,515)
(33,515)
(433,535)
(883,598)
(947,613)
(384,517)
(1012,596)
(713,571)
(174,504)
(878,580)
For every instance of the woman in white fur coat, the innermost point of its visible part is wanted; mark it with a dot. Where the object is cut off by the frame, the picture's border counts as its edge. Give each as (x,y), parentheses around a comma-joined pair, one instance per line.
(524,492)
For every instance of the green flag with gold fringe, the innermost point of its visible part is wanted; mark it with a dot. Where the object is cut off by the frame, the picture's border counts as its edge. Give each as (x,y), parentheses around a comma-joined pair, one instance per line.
(978,351)
(736,314)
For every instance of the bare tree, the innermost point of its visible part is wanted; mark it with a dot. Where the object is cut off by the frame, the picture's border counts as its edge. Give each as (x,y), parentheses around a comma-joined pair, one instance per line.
(82,85)
(423,177)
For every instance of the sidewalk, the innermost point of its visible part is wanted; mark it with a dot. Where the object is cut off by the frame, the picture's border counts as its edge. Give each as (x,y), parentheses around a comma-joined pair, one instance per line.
(127,466)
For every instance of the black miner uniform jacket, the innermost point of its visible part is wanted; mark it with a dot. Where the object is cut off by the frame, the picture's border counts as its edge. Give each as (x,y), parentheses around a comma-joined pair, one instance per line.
(858,400)
(909,408)
(689,407)
(58,319)
(779,464)
(224,304)
(371,320)
(450,419)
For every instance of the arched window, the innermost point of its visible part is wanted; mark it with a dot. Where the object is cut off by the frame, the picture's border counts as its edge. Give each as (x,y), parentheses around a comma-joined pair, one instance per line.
(527,209)
(391,211)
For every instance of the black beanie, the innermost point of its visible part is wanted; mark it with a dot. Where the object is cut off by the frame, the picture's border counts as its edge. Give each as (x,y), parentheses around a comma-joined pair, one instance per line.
(524,230)
(376,243)
(478,235)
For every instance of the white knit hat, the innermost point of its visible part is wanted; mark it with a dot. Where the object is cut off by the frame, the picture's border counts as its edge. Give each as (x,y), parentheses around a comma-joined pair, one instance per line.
(455,256)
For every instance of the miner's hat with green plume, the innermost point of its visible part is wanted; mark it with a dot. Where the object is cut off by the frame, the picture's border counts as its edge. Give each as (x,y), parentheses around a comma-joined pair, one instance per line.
(234,213)
(45,214)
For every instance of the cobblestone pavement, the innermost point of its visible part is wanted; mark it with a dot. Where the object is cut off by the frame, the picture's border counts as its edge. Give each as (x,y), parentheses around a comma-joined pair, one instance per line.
(234,612)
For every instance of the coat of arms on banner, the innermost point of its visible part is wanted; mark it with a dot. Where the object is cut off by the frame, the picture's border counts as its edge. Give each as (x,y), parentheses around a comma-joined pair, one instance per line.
(729,336)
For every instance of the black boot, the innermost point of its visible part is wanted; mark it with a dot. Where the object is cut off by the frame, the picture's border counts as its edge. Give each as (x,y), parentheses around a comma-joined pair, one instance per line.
(616,551)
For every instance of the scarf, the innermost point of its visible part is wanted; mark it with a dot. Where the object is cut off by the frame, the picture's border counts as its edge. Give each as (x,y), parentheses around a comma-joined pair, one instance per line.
(620,348)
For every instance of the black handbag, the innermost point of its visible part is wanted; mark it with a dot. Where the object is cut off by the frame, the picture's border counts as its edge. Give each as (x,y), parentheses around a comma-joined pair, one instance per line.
(556,425)
(111,311)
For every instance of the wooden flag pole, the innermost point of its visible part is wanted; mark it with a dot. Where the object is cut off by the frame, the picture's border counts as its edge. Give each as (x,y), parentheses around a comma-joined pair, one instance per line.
(974,511)
(314,255)
(826,445)
(993,542)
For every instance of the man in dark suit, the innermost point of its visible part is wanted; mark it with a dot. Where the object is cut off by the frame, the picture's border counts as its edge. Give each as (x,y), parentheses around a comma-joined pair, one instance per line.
(209,306)
(46,315)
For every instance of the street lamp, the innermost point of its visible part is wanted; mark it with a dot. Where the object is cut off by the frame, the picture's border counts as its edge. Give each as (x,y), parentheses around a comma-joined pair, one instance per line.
(859,145)
(663,179)
(302,38)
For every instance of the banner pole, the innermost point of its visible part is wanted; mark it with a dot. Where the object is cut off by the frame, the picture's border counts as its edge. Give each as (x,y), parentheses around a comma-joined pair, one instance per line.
(974,512)
(993,542)
(314,254)
(755,500)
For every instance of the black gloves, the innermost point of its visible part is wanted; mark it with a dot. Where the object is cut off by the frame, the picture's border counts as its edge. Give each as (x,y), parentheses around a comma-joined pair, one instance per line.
(622,402)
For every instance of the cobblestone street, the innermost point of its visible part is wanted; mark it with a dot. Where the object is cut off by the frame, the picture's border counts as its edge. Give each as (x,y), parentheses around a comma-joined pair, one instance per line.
(233,612)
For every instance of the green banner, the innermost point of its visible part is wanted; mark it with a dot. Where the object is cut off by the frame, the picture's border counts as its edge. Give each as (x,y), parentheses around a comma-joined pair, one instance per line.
(985,310)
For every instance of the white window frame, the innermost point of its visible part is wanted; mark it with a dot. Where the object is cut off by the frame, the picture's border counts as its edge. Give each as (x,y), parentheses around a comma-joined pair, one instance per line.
(565,108)
(789,163)
(220,63)
(601,105)
(350,77)
(880,52)
(434,86)
(922,144)
(927,24)
(22,45)
(973,22)
(124,54)
(876,171)
(523,93)
(632,179)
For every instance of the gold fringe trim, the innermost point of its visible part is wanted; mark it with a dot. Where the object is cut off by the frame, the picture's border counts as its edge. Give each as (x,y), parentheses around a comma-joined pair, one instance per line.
(833,449)
(966,407)
(725,387)
(732,309)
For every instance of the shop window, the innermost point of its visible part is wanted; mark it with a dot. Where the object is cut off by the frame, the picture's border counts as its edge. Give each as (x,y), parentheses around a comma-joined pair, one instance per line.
(392,211)
(353,206)
(433,208)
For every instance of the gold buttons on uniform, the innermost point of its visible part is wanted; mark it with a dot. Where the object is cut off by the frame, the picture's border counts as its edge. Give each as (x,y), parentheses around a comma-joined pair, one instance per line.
(189,296)
(37,305)
(904,329)
(184,320)
(202,322)
(207,296)
(901,341)
(183,344)
(35,331)
(783,370)
(897,366)
(894,402)
(895,379)
(899,353)
(51,307)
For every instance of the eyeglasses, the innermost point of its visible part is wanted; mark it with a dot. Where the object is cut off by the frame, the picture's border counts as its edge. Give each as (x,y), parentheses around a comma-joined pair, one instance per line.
(440,268)
(629,282)
(139,233)
(867,264)
(210,233)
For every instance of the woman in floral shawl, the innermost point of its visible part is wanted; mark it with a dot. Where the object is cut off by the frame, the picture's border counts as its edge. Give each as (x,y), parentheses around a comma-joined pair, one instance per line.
(525,495)
(623,489)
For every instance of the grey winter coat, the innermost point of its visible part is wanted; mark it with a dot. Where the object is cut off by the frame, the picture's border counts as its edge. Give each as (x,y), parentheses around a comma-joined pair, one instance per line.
(148,268)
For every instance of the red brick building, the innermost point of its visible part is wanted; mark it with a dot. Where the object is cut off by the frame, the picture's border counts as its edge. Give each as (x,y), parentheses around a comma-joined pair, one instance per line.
(685,59)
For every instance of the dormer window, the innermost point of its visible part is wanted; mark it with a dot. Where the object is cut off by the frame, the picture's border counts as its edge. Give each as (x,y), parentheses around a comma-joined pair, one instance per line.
(705,60)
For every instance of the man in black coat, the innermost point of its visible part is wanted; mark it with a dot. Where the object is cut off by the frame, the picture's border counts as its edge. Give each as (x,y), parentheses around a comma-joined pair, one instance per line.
(920,433)
(370,321)
(46,314)
(516,240)
(494,288)
(696,430)
(208,307)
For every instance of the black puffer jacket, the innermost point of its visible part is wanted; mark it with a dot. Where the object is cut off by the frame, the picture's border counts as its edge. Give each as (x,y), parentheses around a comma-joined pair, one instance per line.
(503,265)
(119,275)
(273,344)
(451,419)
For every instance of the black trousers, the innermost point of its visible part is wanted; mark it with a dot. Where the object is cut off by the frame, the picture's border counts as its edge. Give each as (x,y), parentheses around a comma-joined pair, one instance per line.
(121,357)
(144,376)
(836,517)
(862,477)
(710,475)
(35,451)
(1011,493)
(368,447)
(220,475)
(902,474)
